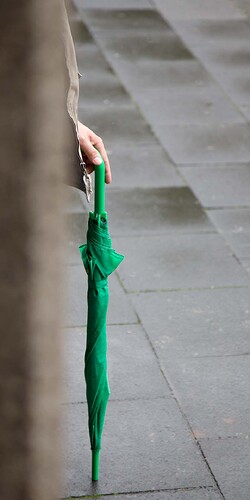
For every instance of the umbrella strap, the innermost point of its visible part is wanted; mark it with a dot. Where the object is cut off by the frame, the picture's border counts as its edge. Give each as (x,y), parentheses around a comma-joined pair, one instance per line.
(97,284)
(100,219)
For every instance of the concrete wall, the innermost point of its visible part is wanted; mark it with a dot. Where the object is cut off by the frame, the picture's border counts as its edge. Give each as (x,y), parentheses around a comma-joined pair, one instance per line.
(31,236)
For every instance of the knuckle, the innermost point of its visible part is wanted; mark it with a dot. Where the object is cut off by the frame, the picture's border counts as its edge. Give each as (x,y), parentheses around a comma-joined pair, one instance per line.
(100,141)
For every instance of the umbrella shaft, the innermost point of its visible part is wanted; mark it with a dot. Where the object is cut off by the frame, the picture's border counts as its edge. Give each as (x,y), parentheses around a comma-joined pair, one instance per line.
(100,188)
(95,464)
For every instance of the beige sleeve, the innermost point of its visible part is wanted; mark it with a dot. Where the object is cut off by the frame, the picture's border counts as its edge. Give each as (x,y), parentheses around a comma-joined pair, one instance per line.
(73,92)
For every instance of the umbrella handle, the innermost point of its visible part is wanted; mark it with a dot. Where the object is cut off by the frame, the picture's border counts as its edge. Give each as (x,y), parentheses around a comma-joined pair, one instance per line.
(99,203)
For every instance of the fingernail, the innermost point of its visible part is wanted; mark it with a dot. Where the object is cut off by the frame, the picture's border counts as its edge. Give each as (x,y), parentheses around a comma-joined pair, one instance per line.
(97,160)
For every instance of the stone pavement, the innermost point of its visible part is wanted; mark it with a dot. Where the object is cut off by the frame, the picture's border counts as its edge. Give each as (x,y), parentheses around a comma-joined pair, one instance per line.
(168,88)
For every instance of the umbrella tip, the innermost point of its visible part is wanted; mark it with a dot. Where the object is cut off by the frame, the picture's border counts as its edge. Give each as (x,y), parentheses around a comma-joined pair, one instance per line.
(95,464)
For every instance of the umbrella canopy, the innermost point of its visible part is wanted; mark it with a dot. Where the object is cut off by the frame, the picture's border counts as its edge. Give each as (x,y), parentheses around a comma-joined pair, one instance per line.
(99,260)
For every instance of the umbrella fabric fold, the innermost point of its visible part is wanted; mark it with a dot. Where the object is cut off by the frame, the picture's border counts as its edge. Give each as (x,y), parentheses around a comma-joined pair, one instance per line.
(99,260)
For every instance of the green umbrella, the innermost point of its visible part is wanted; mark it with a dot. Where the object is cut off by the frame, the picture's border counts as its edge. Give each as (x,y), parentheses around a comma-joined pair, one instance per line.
(99,260)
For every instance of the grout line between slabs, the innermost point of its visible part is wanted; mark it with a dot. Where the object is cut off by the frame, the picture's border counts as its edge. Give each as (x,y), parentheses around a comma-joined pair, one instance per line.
(139,492)
(187,289)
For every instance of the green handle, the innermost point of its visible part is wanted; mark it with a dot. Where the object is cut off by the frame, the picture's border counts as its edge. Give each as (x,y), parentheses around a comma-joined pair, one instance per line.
(100,188)
(95,464)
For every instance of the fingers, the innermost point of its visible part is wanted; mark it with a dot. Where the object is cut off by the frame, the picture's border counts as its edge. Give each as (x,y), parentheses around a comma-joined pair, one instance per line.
(89,165)
(90,152)
(88,139)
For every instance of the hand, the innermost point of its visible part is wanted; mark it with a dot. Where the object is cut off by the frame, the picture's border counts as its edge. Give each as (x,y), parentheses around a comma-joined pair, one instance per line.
(88,139)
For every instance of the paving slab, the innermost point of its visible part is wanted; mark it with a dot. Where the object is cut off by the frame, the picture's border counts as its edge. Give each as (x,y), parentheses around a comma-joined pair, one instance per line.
(90,60)
(162,46)
(134,166)
(178,262)
(246,264)
(222,55)
(100,88)
(213,393)
(150,37)
(136,435)
(236,84)
(240,244)
(202,106)
(198,9)
(198,35)
(132,366)
(175,76)
(206,144)
(120,310)
(234,225)
(116,20)
(236,221)
(113,4)
(80,32)
(219,186)
(223,48)
(196,323)
(204,110)
(214,35)
(245,110)
(155,211)
(244,6)
(118,126)
(229,461)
